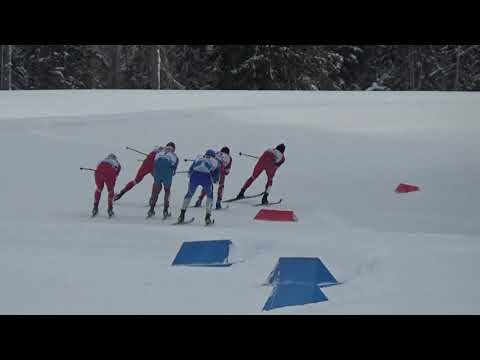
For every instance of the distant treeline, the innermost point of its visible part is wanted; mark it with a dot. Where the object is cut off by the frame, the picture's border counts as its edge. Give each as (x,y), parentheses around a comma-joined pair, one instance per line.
(241,67)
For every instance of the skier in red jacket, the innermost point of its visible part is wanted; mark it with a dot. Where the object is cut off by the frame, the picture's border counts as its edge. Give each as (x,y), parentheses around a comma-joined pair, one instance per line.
(106,174)
(225,160)
(269,162)
(145,169)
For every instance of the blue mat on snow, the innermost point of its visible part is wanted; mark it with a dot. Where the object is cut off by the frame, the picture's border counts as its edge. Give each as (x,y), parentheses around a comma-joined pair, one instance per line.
(293,295)
(297,281)
(204,253)
(308,271)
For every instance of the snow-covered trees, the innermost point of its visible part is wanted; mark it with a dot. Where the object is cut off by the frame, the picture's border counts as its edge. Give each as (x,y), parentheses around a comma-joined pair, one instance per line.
(250,67)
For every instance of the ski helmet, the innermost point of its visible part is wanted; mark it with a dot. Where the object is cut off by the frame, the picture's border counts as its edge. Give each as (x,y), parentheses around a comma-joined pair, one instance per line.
(171,144)
(210,153)
(281,148)
(225,150)
(112,156)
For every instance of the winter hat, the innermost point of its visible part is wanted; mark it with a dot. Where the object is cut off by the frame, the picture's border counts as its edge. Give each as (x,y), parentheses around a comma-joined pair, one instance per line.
(210,153)
(112,156)
(172,145)
(281,148)
(225,150)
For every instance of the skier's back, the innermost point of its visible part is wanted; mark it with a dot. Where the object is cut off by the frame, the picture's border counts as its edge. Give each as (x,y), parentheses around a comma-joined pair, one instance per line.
(166,163)
(106,173)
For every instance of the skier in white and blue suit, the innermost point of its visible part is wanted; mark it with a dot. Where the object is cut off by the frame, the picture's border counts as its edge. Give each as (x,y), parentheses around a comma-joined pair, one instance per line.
(204,172)
(165,166)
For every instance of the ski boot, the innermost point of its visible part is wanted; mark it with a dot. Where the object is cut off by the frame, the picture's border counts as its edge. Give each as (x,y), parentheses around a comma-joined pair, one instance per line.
(265,199)
(208,220)
(118,196)
(110,213)
(166,214)
(241,195)
(151,212)
(181,218)
(95,210)
(198,203)
(218,205)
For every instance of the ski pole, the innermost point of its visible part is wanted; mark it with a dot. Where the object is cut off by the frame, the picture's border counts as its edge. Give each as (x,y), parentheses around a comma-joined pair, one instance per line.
(137,151)
(181,172)
(88,169)
(187,160)
(243,154)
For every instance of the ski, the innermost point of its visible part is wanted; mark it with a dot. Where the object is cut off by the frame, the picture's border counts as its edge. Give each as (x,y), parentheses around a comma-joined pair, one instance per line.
(244,198)
(163,217)
(185,222)
(269,204)
(214,209)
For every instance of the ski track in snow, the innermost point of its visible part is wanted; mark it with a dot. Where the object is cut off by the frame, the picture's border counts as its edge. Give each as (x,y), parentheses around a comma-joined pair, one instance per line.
(346,152)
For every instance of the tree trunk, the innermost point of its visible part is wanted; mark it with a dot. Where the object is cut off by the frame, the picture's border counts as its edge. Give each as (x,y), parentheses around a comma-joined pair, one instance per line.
(6,74)
(412,66)
(116,66)
(1,67)
(155,67)
(457,71)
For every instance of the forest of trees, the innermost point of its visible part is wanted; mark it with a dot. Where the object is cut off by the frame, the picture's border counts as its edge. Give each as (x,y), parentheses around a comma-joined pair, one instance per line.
(241,67)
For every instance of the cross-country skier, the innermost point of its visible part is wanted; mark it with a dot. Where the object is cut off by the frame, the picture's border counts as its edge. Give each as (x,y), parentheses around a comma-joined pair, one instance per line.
(145,168)
(204,172)
(270,161)
(225,160)
(106,174)
(166,163)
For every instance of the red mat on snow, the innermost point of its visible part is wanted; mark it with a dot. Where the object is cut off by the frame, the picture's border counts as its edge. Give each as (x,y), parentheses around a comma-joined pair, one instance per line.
(276,215)
(406,188)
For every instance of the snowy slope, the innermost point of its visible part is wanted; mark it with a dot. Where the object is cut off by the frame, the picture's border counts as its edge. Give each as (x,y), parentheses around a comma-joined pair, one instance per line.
(346,152)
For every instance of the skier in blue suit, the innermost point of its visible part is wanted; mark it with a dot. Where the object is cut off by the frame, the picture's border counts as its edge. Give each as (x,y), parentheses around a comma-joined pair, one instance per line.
(166,163)
(204,172)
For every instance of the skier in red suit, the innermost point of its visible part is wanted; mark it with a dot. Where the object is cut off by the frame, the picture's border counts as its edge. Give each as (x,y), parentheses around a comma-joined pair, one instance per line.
(106,174)
(145,169)
(269,162)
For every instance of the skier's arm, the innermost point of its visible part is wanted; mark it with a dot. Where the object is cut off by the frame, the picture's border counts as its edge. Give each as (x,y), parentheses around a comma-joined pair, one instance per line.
(175,166)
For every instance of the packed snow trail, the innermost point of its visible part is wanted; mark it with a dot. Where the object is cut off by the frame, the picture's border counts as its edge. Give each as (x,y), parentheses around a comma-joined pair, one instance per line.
(346,152)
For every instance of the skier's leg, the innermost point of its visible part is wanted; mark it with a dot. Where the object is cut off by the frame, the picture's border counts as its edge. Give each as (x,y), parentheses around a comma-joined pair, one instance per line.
(256,172)
(166,200)
(208,188)
(192,187)
(110,182)
(200,199)
(270,174)
(156,189)
(99,182)
(221,185)
(141,173)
